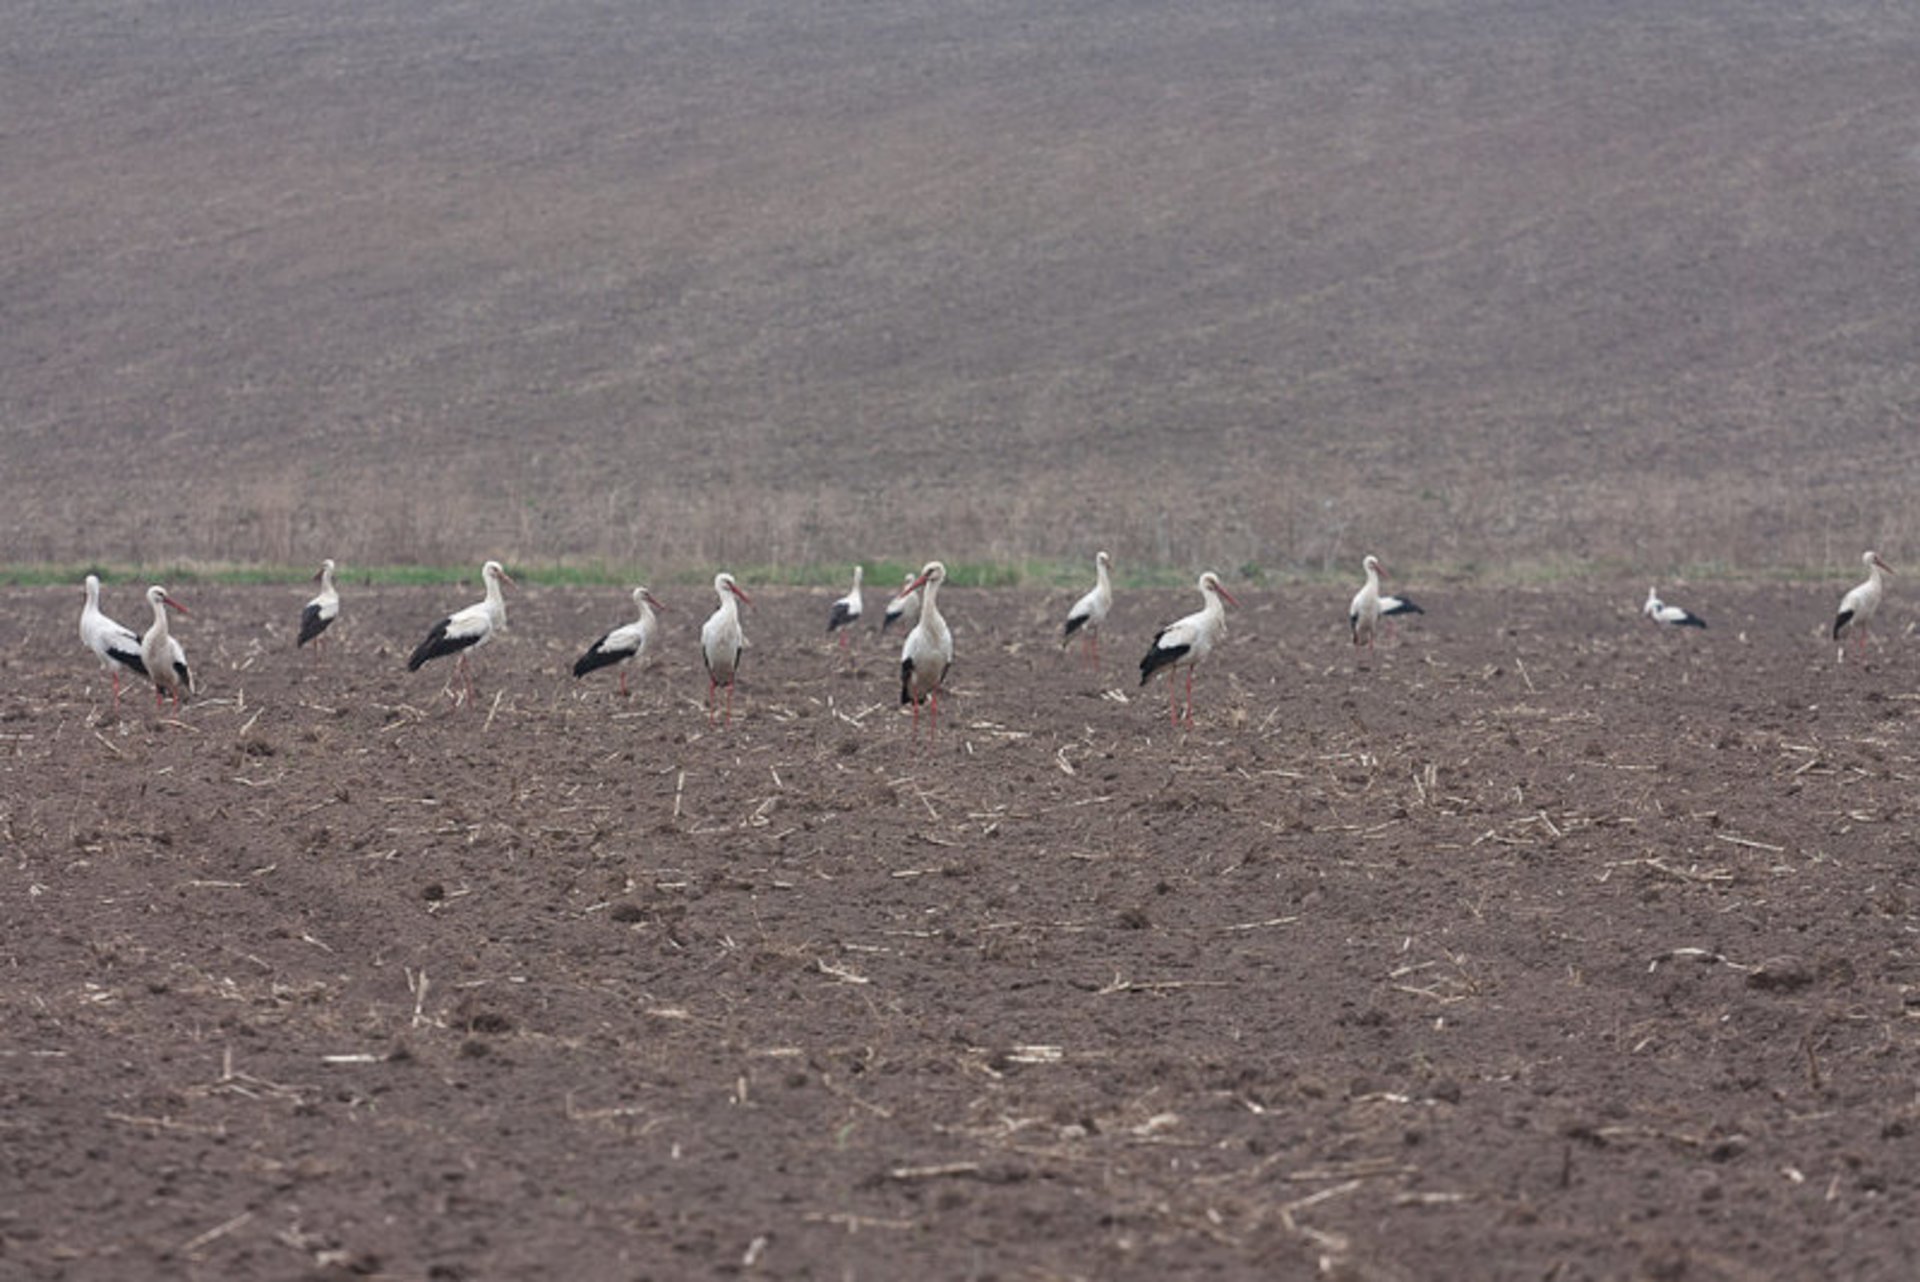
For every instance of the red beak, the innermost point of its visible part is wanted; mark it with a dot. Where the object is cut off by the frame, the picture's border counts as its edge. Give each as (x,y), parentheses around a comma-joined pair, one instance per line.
(176,605)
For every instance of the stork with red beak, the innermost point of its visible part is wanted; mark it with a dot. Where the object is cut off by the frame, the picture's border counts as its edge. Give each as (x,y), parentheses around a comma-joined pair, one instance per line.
(1858,607)
(467,629)
(165,659)
(114,644)
(1184,642)
(322,610)
(722,642)
(624,644)
(928,653)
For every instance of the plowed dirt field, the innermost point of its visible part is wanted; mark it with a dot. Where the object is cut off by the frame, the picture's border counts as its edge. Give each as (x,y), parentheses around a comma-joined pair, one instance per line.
(1536,945)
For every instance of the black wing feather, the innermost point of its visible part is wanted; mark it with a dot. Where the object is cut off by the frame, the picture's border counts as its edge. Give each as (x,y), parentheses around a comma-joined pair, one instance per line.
(1159,657)
(312,624)
(598,656)
(438,645)
(129,659)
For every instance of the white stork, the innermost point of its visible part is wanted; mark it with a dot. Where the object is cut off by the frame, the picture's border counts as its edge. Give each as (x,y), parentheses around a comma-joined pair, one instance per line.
(166,661)
(116,645)
(1370,605)
(320,612)
(904,608)
(465,629)
(721,642)
(623,644)
(1183,643)
(1669,616)
(928,653)
(1858,607)
(848,609)
(1090,611)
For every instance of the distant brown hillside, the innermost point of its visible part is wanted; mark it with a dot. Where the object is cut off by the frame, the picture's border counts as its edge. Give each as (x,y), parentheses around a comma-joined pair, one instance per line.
(1456,281)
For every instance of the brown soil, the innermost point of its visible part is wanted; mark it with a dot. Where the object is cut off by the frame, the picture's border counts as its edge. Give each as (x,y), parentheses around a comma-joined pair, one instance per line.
(1538,945)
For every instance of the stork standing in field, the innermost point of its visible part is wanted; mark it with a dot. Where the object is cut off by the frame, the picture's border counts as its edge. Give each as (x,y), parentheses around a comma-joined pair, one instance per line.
(1669,616)
(166,661)
(466,629)
(624,644)
(322,610)
(722,641)
(903,609)
(1090,611)
(1183,643)
(1370,605)
(928,653)
(1858,607)
(116,645)
(847,610)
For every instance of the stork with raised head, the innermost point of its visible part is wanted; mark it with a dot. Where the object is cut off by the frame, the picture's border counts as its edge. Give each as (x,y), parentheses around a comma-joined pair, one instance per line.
(928,653)
(114,644)
(721,643)
(165,660)
(1184,642)
(624,644)
(1090,611)
(903,608)
(848,609)
(1858,607)
(320,612)
(463,630)
(1370,605)
(1669,616)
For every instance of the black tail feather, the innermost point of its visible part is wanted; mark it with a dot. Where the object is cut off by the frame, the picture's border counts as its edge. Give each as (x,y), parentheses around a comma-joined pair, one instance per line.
(597,658)
(312,624)
(438,645)
(1840,622)
(1159,657)
(1403,605)
(906,681)
(128,659)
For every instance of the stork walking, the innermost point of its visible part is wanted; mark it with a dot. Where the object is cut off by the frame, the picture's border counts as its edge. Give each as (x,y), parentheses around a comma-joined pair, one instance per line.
(1669,616)
(624,644)
(1184,642)
(722,641)
(464,630)
(1370,605)
(1090,611)
(903,608)
(114,644)
(166,661)
(1858,607)
(847,610)
(928,652)
(320,612)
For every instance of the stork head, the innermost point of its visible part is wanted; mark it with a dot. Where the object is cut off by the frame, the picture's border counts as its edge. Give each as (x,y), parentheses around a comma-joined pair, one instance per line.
(494,572)
(1102,560)
(1873,558)
(158,598)
(644,597)
(93,586)
(1372,566)
(723,584)
(933,572)
(326,568)
(1210,583)
(859,573)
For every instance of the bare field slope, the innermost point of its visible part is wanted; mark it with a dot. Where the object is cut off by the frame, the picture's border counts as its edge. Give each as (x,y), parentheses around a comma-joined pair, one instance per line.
(1538,945)
(680,283)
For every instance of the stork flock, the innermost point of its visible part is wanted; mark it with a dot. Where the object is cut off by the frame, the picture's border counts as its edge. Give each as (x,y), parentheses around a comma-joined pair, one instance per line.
(926,656)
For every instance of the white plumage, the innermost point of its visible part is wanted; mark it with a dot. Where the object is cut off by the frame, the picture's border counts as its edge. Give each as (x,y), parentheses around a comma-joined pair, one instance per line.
(1370,605)
(1671,616)
(928,652)
(1184,642)
(1090,611)
(722,641)
(624,644)
(903,609)
(1858,607)
(847,610)
(114,644)
(165,659)
(466,629)
(320,612)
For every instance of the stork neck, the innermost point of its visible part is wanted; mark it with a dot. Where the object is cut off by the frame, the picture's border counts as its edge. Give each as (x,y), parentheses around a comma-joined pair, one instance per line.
(1100,576)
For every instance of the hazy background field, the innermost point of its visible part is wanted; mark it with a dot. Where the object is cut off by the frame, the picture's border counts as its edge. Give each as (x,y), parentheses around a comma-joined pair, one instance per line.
(1471,284)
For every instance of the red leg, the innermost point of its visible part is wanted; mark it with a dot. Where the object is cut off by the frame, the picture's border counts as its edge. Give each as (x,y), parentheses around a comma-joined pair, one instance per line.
(730,700)
(1189,696)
